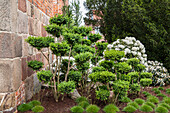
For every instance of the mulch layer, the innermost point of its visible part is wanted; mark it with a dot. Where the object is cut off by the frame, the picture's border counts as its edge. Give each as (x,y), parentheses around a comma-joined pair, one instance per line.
(51,106)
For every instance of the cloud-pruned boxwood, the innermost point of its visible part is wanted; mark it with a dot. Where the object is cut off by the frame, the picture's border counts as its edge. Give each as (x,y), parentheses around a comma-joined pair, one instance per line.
(40,42)
(64,65)
(113,55)
(72,39)
(38,109)
(107,64)
(44,76)
(86,42)
(111,108)
(145,82)
(146,75)
(94,37)
(134,88)
(133,62)
(101,46)
(98,69)
(59,48)
(153,99)
(146,108)
(92,109)
(129,109)
(35,65)
(59,20)
(134,77)
(75,76)
(77,109)
(161,109)
(66,87)
(122,67)
(82,30)
(102,94)
(54,29)
(140,67)
(134,104)
(84,104)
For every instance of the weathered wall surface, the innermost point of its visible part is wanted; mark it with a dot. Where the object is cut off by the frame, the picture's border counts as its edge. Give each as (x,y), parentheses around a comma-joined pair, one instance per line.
(18,20)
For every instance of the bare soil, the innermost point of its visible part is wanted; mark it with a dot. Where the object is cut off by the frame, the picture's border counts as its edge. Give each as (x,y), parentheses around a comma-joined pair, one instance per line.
(51,106)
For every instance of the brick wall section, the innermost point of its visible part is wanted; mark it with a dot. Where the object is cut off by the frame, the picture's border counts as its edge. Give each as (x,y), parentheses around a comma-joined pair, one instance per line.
(20,19)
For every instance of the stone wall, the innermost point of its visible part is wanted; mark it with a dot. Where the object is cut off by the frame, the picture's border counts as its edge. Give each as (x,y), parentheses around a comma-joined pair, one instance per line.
(20,19)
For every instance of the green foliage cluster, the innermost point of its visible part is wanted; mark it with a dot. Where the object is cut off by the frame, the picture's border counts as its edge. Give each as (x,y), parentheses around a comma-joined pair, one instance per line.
(166,100)
(164,105)
(101,46)
(133,62)
(129,109)
(94,37)
(140,67)
(146,93)
(74,76)
(120,88)
(150,104)
(84,31)
(81,99)
(160,95)
(146,108)
(139,101)
(122,67)
(107,64)
(98,69)
(77,109)
(134,88)
(44,76)
(66,87)
(134,77)
(102,94)
(59,49)
(134,104)
(54,29)
(111,108)
(103,76)
(83,57)
(92,109)
(34,105)
(72,39)
(168,91)
(39,42)
(125,77)
(84,104)
(161,109)
(79,48)
(146,75)
(35,65)
(59,20)
(153,99)
(86,42)
(125,99)
(160,88)
(145,82)
(114,55)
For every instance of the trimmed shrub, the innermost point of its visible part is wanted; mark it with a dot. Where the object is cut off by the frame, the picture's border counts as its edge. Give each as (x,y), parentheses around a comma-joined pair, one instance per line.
(134,104)
(74,76)
(35,103)
(157,91)
(107,64)
(146,108)
(135,87)
(160,88)
(168,91)
(160,95)
(24,107)
(77,109)
(150,104)
(166,100)
(44,76)
(66,87)
(94,37)
(129,109)
(84,104)
(114,55)
(38,109)
(81,99)
(154,89)
(146,75)
(125,99)
(145,82)
(146,93)
(111,108)
(97,69)
(133,61)
(92,109)
(101,46)
(164,105)
(139,101)
(161,109)
(134,76)
(153,99)
(35,65)
(102,94)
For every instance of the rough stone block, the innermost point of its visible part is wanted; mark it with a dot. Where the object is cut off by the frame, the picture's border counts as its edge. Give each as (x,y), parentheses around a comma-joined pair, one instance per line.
(10,74)
(29,58)
(38,57)
(22,23)
(31,26)
(25,46)
(22,5)
(24,68)
(43,31)
(29,88)
(37,84)
(28,8)
(10,45)
(37,27)
(8,15)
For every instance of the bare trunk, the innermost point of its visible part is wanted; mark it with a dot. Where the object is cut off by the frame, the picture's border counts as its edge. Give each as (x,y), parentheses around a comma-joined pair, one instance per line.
(68,69)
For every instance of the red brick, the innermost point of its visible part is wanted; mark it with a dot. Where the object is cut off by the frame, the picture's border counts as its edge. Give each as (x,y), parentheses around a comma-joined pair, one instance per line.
(22,5)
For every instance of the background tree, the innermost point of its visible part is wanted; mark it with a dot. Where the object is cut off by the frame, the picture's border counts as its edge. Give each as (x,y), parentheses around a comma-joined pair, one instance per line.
(147,20)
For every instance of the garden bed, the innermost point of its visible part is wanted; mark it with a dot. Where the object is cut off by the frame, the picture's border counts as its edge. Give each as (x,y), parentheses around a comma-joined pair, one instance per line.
(51,106)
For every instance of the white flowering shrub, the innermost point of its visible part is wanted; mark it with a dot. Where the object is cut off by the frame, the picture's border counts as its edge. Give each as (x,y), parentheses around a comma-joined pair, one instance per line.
(160,74)
(133,49)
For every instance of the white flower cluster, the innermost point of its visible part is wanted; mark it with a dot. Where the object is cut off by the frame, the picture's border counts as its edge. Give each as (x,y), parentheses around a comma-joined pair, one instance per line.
(131,47)
(160,73)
